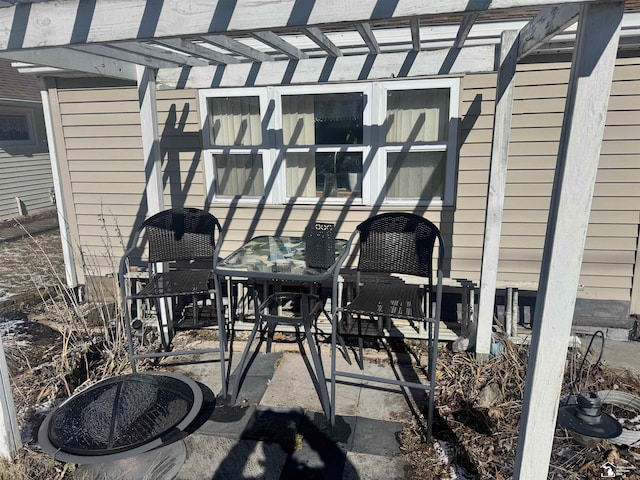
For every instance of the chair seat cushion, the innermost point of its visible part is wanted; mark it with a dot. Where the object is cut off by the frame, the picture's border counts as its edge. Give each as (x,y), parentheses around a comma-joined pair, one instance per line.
(174,283)
(389,300)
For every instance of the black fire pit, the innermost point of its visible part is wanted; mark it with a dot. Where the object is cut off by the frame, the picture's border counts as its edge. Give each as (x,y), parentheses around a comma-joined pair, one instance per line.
(121,417)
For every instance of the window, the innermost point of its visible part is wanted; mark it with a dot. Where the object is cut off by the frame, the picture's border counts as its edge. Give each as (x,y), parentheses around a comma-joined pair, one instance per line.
(16,126)
(368,143)
(417,127)
(329,128)
(234,136)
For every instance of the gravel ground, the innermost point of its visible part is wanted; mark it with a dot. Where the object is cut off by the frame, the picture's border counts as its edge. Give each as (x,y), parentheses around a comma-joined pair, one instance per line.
(30,262)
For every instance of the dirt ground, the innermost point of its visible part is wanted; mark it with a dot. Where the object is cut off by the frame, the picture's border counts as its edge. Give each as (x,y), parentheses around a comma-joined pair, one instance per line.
(29,263)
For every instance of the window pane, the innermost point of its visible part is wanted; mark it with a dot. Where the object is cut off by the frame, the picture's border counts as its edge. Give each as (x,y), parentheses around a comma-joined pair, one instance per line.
(327,119)
(14,127)
(324,174)
(418,115)
(239,174)
(415,174)
(235,121)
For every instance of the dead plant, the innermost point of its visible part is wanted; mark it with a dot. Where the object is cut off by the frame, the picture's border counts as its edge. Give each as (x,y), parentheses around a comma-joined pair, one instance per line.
(479,405)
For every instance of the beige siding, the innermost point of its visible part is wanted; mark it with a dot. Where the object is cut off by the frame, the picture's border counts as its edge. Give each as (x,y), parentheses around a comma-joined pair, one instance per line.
(610,251)
(104,153)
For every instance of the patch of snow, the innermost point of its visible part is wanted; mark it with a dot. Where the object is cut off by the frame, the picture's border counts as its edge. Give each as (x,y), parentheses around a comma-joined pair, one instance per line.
(31,418)
(446,454)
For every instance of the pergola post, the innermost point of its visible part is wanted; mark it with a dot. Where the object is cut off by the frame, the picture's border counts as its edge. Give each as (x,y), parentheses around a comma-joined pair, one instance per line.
(10,440)
(577,165)
(150,139)
(61,202)
(497,184)
(154,191)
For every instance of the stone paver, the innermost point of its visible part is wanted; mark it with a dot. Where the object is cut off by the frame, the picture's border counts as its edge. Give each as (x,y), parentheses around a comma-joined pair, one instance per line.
(281,432)
(219,458)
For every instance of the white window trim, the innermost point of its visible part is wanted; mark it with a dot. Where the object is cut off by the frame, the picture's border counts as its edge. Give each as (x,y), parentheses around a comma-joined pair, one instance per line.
(28,113)
(373,149)
(264,95)
(453,84)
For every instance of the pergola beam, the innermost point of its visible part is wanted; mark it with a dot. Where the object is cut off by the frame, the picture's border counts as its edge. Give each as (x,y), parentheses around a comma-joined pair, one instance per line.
(160,54)
(578,156)
(77,60)
(346,68)
(63,23)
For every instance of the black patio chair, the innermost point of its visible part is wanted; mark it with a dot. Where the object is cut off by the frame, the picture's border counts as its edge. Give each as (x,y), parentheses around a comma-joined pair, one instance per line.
(183,246)
(392,245)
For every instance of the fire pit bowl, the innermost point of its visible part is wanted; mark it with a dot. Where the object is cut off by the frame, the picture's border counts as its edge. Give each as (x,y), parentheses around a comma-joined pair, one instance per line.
(121,417)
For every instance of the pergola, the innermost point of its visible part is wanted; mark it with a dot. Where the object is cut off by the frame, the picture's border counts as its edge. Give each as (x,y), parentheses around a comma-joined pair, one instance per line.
(219,43)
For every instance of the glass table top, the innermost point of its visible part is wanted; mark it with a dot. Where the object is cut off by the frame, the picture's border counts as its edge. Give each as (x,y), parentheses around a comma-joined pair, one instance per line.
(275,257)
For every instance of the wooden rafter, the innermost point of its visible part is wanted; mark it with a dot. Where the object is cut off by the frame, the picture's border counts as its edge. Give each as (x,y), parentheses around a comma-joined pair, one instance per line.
(274,41)
(160,54)
(324,42)
(365,31)
(240,48)
(125,56)
(415,33)
(465,27)
(196,49)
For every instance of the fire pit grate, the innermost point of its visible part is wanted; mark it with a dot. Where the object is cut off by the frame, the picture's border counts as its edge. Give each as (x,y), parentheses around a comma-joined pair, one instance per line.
(121,417)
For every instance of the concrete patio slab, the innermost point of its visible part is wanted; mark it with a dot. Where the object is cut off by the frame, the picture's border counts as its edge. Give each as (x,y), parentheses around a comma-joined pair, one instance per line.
(280,431)
(361,466)
(219,458)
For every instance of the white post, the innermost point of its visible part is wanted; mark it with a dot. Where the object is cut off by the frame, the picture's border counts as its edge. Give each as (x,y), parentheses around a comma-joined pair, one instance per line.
(63,222)
(152,166)
(578,155)
(150,139)
(10,440)
(497,183)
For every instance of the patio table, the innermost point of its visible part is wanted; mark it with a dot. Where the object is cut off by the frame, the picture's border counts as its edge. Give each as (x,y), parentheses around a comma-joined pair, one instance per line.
(281,259)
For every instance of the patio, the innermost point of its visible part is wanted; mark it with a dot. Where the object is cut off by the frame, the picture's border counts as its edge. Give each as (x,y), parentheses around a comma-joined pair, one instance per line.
(151,57)
(278,429)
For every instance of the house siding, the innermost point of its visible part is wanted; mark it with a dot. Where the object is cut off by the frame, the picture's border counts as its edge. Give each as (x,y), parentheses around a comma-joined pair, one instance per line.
(104,152)
(25,170)
(610,250)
